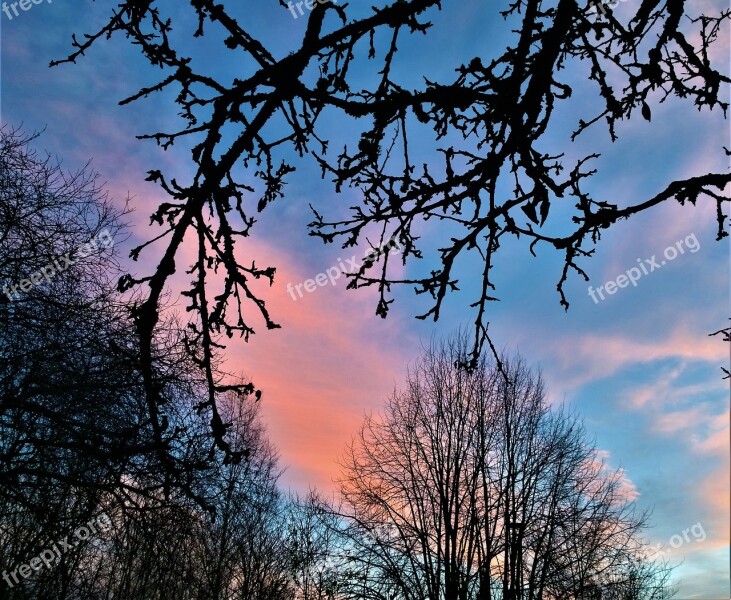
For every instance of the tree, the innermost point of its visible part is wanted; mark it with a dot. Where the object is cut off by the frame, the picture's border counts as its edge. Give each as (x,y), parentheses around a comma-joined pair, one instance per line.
(488,123)
(58,317)
(76,437)
(178,551)
(470,486)
(172,549)
(246,553)
(316,544)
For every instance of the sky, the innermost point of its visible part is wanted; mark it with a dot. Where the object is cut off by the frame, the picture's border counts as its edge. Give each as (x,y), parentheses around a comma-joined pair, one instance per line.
(639,364)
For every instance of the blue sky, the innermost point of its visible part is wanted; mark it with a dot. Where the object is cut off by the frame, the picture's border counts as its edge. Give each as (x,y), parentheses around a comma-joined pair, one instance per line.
(639,365)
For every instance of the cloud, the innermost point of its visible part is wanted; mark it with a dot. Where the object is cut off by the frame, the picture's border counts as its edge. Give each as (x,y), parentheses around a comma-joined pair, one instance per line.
(332,361)
(600,465)
(588,357)
(714,496)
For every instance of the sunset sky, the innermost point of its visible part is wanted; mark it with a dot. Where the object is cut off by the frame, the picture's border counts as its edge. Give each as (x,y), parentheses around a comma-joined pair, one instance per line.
(639,365)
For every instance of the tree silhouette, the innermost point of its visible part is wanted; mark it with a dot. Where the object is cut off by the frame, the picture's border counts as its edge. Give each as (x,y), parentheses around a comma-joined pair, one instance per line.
(494,180)
(469,486)
(74,422)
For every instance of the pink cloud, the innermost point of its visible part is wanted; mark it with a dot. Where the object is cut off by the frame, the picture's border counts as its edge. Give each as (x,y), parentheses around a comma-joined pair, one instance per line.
(714,494)
(640,237)
(590,356)
(666,391)
(600,466)
(332,361)
(717,439)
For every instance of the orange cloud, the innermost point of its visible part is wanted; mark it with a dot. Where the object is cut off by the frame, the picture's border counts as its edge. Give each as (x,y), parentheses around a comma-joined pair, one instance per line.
(332,361)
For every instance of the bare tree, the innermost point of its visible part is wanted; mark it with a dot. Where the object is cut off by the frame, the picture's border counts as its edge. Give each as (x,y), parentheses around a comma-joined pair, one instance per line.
(173,549)
(494,179)
(58,316)
(316,546)
(246,549)
(76,436)
(470,486)
(75,433)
